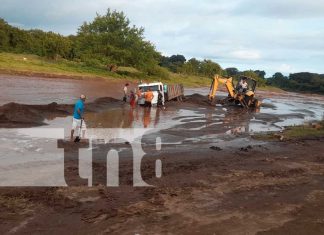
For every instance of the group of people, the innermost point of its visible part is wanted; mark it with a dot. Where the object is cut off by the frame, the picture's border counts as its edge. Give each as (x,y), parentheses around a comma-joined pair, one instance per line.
(136,95)
(78,123)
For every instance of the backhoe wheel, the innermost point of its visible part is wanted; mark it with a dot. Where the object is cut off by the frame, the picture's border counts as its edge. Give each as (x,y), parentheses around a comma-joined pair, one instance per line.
(257,103)
(212,101)
(248,100)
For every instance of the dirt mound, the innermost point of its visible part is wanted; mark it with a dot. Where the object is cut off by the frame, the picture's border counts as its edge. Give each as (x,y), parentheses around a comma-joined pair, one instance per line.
(22,115)
(14,115)
(197,99)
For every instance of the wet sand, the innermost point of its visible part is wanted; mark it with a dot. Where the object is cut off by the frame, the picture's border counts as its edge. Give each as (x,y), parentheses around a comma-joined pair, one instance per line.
(268,189)
(217,179)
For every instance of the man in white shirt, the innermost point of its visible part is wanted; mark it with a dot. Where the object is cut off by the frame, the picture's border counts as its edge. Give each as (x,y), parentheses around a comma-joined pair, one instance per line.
(243,85)
(125,92)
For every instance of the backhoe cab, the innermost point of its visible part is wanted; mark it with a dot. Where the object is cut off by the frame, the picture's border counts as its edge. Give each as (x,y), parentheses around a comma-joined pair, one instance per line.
(236,94)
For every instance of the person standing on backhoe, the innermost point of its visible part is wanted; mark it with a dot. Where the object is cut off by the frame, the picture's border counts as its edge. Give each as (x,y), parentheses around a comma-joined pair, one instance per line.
(148,98)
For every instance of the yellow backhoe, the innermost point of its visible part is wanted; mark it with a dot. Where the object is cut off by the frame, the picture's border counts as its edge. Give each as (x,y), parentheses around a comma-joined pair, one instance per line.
(236,94)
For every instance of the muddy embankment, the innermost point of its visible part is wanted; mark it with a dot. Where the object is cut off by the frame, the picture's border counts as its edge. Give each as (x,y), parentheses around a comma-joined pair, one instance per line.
(13,115)
(268,189)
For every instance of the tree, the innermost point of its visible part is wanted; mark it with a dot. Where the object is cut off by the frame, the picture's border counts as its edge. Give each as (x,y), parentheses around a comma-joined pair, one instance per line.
(177,59)
(109,38)
(260,73)
(209,68)
(4,40)
(249,73)
(232,72)
(278,80)
(174,63)
(192,67)
(56,45)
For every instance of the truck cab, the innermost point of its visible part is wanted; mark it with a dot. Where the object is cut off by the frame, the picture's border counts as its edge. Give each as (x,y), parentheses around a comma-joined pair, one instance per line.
(154,87)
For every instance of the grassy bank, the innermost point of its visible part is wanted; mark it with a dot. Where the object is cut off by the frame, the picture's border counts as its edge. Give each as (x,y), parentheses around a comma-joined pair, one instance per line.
(270,88)
(31,65)
(310,130)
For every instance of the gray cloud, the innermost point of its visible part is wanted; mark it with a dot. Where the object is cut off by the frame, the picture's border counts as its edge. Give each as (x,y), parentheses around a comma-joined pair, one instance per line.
(295,9)
(255,34)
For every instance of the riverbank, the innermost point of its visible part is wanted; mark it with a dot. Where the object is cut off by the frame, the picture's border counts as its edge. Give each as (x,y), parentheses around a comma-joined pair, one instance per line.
(35,66)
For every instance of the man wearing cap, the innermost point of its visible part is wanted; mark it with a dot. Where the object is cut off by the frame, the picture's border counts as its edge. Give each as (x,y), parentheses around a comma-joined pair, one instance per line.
(78,117)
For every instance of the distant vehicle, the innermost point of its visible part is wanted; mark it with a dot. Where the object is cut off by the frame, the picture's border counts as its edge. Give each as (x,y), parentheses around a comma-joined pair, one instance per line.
(169,92)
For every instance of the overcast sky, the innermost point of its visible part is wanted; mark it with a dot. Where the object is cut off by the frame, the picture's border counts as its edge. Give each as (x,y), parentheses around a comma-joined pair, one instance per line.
(271,35)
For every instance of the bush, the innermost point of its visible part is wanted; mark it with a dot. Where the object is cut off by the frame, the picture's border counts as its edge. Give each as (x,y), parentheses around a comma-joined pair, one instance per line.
(93,63)
(156,71)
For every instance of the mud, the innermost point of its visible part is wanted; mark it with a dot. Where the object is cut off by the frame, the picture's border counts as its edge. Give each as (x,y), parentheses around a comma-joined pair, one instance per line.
(15,115)
(198,100)
(269,189)
(216,178)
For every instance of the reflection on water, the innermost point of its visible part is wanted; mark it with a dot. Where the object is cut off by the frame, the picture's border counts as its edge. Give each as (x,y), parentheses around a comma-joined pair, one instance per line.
(127,117)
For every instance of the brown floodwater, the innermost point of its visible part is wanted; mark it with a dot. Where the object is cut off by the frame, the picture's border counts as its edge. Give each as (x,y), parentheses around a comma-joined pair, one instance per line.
(35,90)
(180,125)
(286,108)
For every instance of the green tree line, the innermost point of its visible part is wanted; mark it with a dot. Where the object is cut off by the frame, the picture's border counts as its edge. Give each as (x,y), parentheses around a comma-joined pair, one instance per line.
(305,82)
(107,40)
(208,68)
(110,39)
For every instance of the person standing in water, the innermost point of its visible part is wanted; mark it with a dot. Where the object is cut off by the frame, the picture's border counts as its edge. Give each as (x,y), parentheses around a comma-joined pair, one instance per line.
(125,92)
(78,122)
(160,102)
(148,98)
(132,99)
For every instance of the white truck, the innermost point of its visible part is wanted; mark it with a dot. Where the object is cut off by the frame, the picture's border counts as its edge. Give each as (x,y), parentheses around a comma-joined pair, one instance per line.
(169,92)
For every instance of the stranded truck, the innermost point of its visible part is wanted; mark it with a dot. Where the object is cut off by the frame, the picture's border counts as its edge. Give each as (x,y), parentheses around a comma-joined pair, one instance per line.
(169,92)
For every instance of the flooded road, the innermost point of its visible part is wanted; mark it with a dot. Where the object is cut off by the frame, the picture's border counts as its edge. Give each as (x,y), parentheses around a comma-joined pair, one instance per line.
(34,90)
(180,126)
(278,110)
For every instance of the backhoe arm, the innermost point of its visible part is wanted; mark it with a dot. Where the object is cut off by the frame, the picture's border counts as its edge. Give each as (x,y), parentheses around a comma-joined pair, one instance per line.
(220,80)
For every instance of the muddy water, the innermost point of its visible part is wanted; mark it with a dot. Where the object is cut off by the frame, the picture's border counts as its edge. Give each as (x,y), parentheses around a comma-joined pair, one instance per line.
(280,109)
(34,90)
(179,125)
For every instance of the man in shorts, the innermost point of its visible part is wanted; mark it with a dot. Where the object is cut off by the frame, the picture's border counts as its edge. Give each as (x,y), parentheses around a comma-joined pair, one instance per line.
(78,117)
(148,98)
